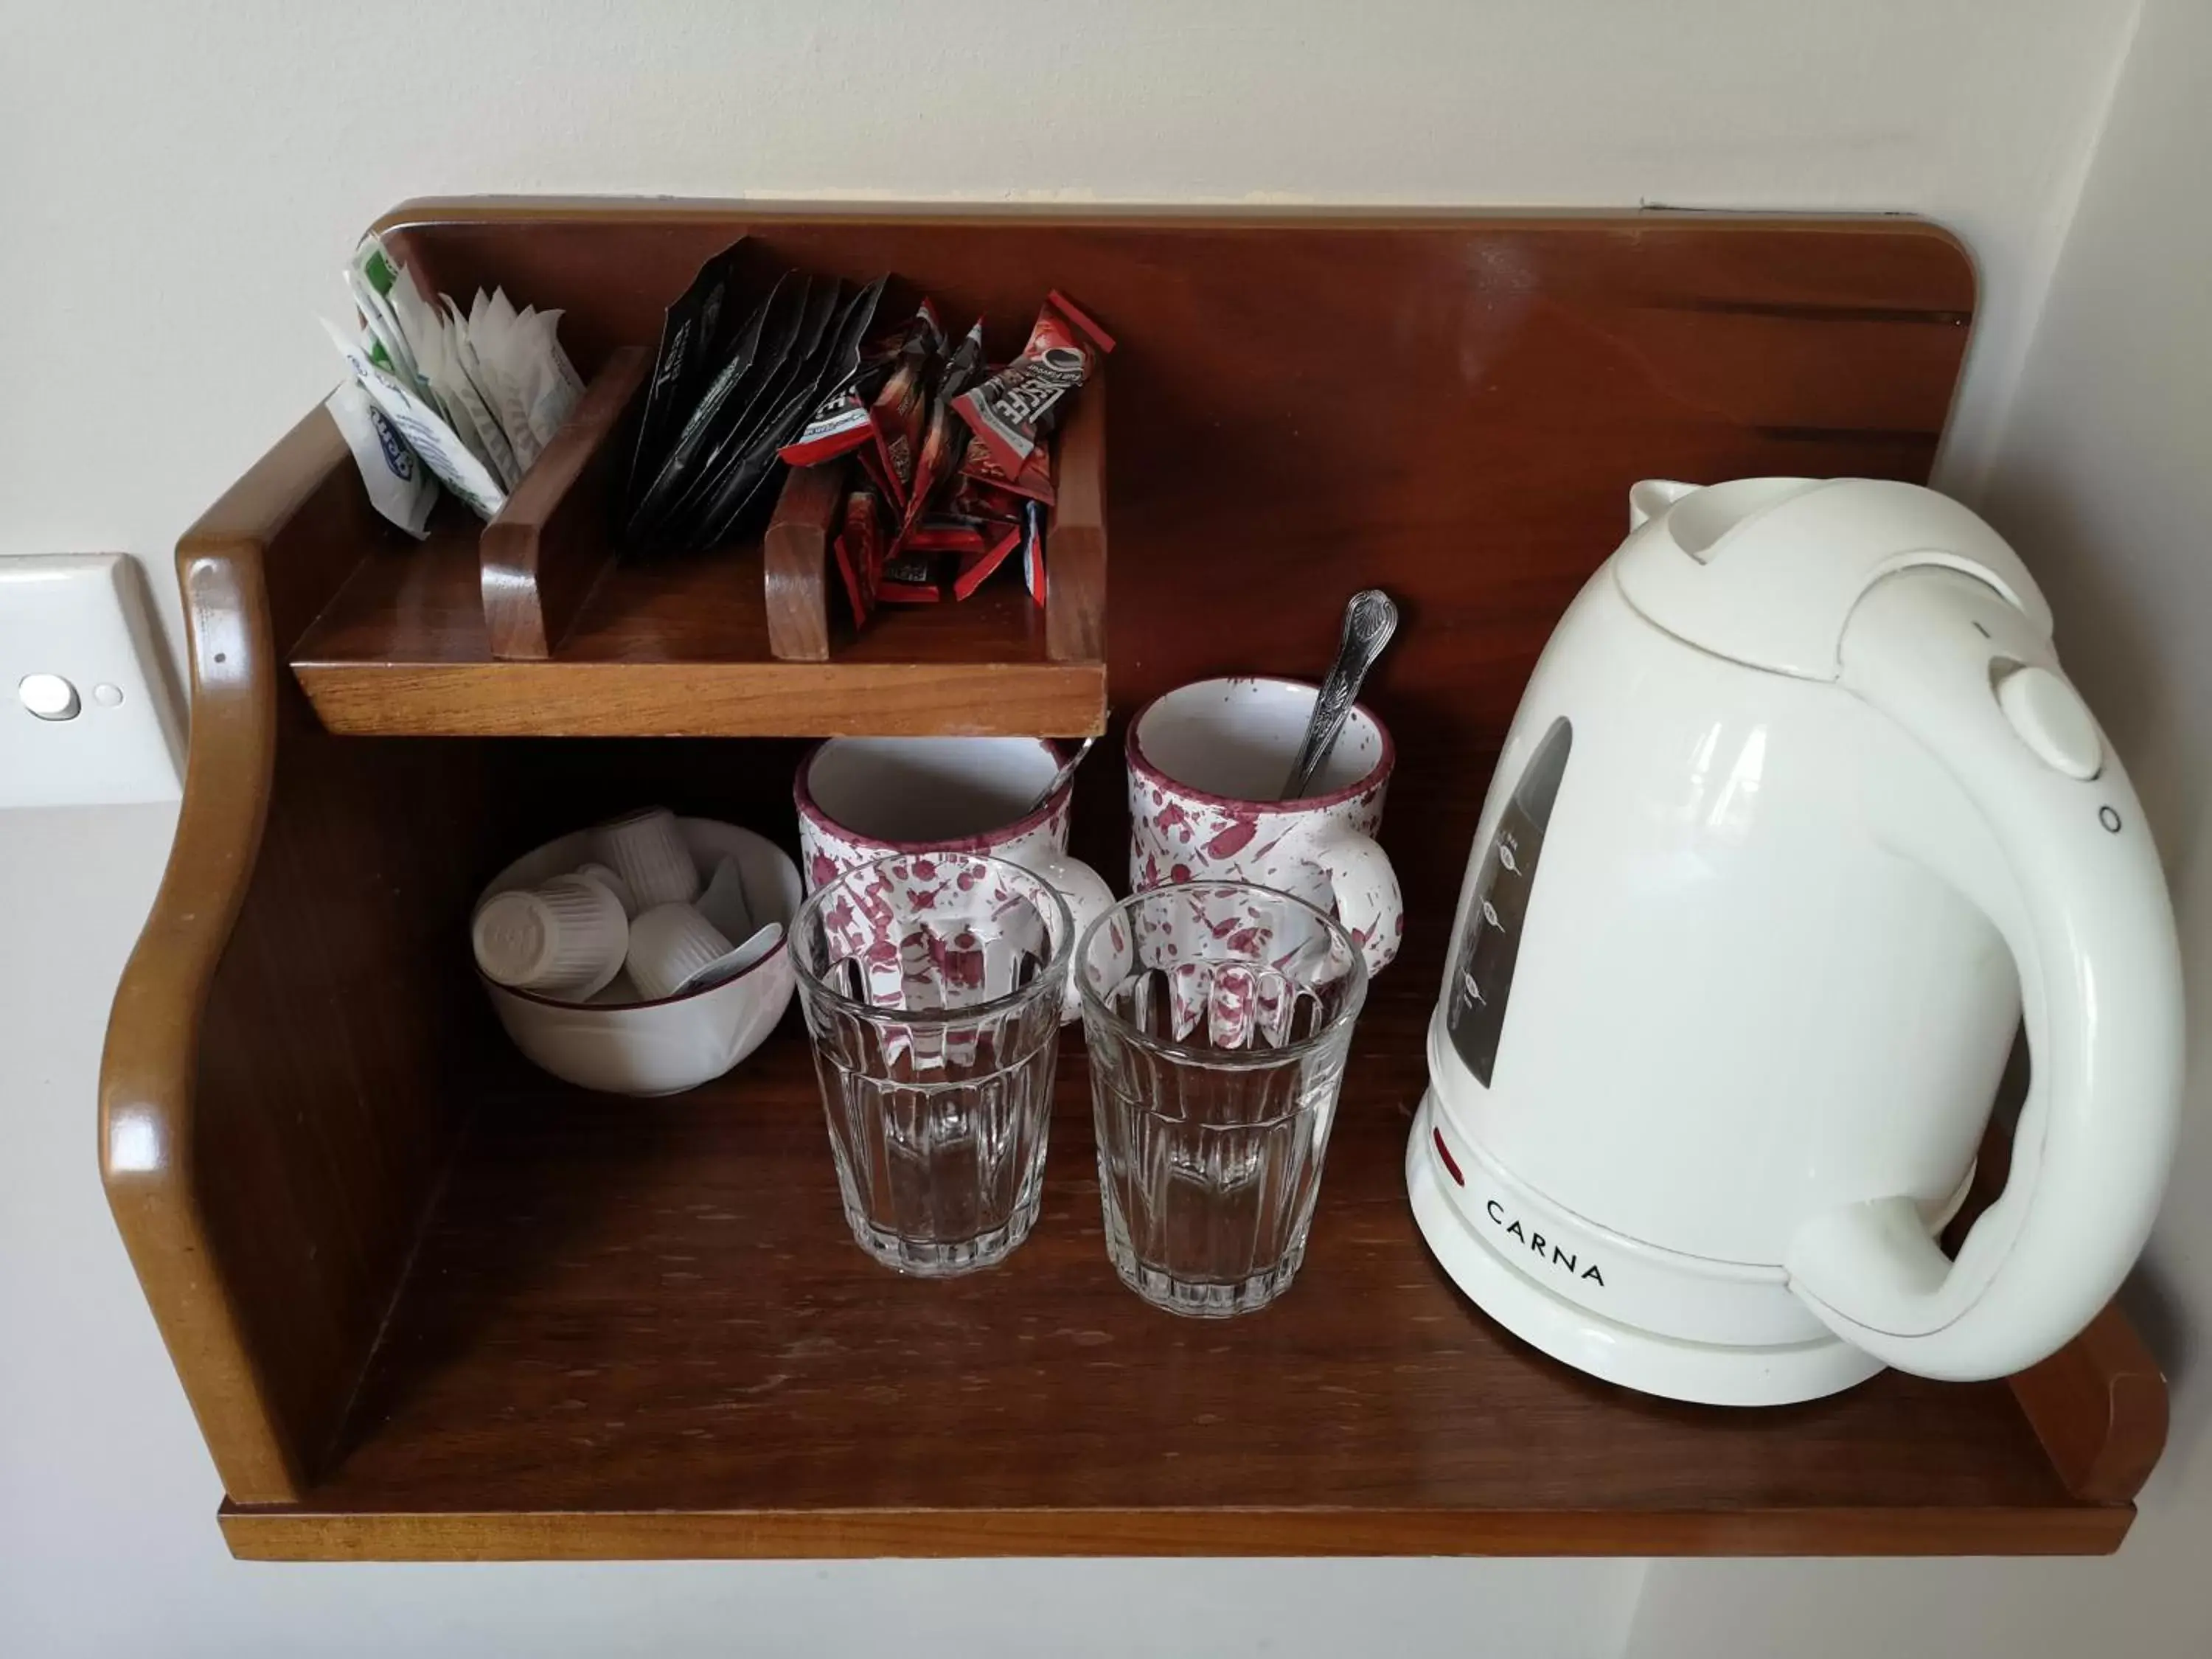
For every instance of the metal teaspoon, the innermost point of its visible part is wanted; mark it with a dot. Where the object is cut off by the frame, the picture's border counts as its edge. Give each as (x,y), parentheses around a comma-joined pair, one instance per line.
(1067,771)
(1368,622)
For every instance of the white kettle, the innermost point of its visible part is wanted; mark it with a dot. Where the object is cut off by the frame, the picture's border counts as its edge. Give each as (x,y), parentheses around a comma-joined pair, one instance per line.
(1797,815)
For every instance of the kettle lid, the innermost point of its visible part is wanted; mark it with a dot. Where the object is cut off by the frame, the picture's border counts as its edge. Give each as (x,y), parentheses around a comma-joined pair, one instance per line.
(1767,571)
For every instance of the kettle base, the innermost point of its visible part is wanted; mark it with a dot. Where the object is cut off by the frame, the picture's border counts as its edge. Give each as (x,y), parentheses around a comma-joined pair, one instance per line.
(1703,1373)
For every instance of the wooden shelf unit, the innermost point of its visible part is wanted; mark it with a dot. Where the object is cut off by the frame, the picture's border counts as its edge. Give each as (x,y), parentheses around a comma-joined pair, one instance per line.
(426,1302)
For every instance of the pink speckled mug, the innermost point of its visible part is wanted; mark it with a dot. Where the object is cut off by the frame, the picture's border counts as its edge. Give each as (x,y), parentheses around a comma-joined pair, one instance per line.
(864,798)
(1205,761)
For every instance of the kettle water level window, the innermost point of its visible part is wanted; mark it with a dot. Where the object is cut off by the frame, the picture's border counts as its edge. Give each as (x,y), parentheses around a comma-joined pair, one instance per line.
(1482,970)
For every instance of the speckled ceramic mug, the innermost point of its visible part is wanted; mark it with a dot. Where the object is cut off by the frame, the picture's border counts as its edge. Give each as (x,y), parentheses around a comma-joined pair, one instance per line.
(864,798)
(1206,761)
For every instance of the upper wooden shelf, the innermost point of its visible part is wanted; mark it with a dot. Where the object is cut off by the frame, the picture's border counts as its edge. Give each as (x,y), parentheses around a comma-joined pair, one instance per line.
(669,648)
(537,626)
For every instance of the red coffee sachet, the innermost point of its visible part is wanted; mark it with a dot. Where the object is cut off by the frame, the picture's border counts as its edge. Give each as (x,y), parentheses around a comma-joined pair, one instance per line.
(900,408)
(1033,549)
(1004,409)
(976,566)
(1033,478)
(971,498)
(940,447)
(860,552)
(910,578)
(871,457)
(839,426)
(941,533)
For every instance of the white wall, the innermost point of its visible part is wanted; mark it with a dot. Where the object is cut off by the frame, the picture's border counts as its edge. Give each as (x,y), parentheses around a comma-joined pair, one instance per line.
(178,187)
(2103,481)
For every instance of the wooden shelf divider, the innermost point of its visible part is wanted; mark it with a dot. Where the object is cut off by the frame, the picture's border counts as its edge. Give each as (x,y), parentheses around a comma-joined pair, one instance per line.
(1075,537)
(795,560)
(548,545)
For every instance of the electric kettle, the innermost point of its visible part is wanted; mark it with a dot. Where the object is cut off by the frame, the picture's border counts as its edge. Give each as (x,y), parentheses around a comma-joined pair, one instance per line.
(1797,817)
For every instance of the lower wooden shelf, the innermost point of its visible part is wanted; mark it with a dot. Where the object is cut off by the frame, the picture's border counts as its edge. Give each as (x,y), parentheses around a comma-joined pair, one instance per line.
(639,1329)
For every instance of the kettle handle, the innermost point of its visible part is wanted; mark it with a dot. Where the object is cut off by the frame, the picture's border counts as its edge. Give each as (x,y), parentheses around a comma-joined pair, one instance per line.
(2082,902)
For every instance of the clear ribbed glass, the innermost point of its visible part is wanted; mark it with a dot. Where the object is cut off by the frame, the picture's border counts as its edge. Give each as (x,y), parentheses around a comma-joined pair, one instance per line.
(1217,1016)
(933,985)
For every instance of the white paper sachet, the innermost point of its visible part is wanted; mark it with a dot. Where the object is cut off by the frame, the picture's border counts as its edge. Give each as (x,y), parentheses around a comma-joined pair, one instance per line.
(370,276)
(498,312)
(429,348)
(417,317)
(399,485)
(503,328)
(424,427)
(551,321)
(480,339)
(447,364)
(437,351)
(549,386)
(489,388)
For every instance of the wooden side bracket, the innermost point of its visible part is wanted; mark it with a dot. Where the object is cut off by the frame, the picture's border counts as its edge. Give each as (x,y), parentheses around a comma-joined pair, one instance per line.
(2099,1406)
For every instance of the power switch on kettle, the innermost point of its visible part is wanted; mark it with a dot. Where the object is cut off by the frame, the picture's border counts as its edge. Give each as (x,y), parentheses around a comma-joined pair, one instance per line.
(2052,721)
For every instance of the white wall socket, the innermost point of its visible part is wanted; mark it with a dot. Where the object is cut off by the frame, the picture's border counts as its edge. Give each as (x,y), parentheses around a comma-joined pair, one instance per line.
(88,714)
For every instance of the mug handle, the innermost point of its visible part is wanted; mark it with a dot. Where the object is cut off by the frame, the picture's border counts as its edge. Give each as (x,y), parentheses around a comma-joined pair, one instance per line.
(1088,898)
(1368,902)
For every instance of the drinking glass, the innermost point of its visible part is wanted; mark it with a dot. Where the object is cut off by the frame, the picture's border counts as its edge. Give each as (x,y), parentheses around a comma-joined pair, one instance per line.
(1217,1016)
(931,984)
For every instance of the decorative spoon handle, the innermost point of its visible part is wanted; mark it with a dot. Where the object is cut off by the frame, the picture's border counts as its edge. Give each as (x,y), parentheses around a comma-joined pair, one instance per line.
(1067,771)
(1368,622)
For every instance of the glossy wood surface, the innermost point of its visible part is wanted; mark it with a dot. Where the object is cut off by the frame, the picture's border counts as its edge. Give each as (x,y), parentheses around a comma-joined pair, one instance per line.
(1075,536)
(796,560)
(671,647)
(277,1092)
(2099,1405)
(549,543)
(661,1535)
(638,1327)
(652,1306)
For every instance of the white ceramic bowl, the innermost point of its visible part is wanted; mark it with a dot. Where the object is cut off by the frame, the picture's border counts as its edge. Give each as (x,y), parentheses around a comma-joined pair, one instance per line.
(623,1046)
